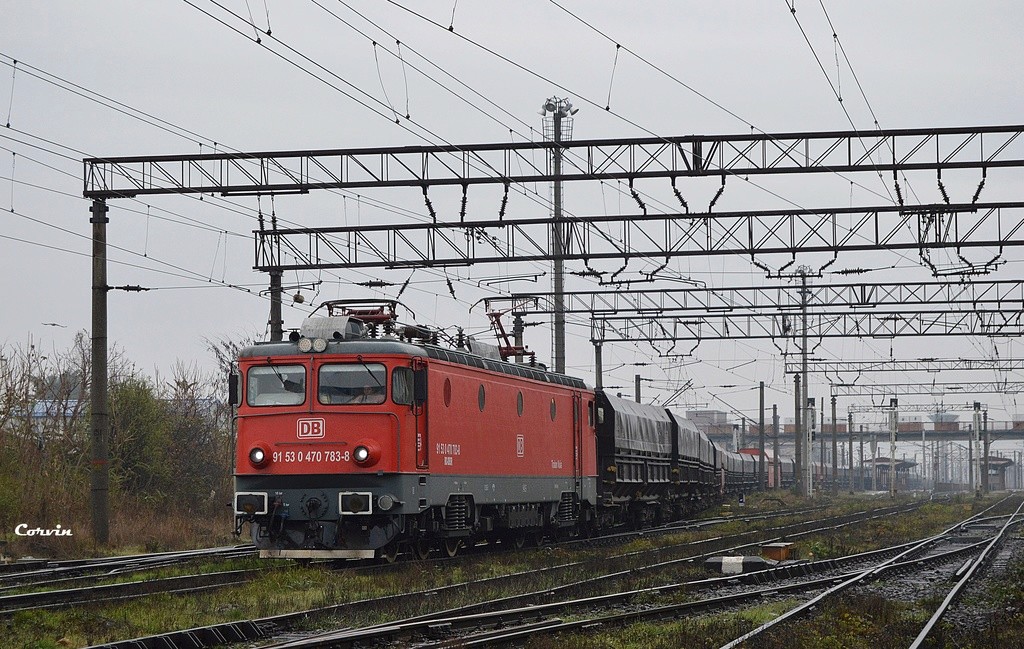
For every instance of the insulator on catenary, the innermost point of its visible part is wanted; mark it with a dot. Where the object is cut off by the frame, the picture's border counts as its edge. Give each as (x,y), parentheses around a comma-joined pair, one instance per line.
(430,206)
(679,196)
(977,192)
(636,197)
(504,203)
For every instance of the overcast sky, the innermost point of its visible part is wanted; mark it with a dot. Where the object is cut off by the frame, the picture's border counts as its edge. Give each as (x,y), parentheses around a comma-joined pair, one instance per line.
(145,78)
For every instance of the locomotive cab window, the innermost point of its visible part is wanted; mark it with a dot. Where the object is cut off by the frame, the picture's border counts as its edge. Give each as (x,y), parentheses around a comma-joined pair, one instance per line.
(276,385)
(401,386)
(352,383)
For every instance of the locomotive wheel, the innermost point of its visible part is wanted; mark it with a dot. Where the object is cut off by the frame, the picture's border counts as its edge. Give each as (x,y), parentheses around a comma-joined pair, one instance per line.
(519,540)
(422,548)
(389,553)
(451,546)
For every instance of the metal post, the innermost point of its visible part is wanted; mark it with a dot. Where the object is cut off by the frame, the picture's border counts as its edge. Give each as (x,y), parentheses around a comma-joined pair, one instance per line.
(276,319)
(924,454)
(598,369)
(518,329)
(762,478)
(636,387)
(775,446)
(985,486)
(821,445)
(874,461)
(835,449)
(894,419)
(808,420)
(860,471)
(970,446)
(98,390)
(849,429)
(798,433)
(559,251)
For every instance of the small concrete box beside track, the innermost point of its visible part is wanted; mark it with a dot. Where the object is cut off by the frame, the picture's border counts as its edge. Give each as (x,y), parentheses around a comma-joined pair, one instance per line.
(728,565)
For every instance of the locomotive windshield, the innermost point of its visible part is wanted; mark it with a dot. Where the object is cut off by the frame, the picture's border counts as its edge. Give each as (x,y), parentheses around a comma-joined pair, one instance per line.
(352,383)
(276,385)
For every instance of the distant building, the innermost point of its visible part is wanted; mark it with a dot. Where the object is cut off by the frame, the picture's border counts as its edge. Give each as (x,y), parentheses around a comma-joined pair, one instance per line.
(910,424)
(997,467)
(945,421)
(881,469)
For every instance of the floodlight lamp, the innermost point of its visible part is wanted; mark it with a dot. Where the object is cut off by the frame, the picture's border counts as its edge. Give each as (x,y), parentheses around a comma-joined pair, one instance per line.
(549,106)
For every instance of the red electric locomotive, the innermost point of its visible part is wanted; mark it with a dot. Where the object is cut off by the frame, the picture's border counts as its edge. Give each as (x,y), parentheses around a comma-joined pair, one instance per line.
(358,445)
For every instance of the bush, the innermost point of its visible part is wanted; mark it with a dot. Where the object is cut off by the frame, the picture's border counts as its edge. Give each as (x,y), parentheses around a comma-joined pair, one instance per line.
(170,450)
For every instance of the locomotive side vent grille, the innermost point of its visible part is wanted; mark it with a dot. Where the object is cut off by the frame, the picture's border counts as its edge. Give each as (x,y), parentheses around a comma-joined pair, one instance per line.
(456,513)
(567,507)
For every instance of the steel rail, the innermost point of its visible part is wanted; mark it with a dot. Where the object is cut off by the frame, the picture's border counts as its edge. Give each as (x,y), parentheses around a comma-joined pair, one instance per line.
(11,604)
(852,581)
(959,586)
(54,570)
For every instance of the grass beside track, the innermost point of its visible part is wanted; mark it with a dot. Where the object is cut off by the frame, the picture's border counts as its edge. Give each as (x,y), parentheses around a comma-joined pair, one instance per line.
(855,621)
(300,588)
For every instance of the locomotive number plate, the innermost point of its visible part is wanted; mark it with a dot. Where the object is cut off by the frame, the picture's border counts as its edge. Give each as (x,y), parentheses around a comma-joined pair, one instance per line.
(312,456)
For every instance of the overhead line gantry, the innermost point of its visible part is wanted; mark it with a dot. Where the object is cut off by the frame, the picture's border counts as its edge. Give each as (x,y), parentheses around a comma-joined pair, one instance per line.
(979,147)
(289,172)
(623,299)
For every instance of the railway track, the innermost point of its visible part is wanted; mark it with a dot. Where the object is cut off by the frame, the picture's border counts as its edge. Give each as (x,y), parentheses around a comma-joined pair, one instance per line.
(19,573)
(466,628)
(875,572)
(62,584)
(633,563)
(966,573)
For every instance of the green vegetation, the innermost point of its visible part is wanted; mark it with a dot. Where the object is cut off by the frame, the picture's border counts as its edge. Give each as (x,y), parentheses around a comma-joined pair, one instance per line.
(170,455)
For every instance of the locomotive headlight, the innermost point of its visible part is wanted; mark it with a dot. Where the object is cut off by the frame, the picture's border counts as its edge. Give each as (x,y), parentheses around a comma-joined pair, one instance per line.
(366,453)
(259,456)
(305,345)
(385,502)
(319,344)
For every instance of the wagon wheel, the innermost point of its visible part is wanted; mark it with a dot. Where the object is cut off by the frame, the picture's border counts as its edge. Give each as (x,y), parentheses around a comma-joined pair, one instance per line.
(451,546)
(389,553)
(519,540)
(422,548)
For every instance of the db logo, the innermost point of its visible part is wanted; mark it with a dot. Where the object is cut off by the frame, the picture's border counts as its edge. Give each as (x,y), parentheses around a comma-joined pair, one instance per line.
(310,428)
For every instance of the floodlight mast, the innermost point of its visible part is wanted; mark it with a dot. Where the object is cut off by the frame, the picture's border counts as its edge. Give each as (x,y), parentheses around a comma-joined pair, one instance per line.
(559,110)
